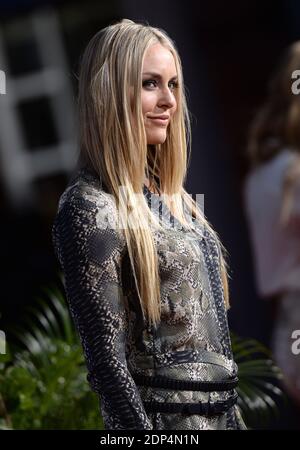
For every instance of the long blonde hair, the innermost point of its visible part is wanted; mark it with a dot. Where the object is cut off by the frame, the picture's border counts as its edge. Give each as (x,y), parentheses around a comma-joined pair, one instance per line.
(113,143)
(276,126)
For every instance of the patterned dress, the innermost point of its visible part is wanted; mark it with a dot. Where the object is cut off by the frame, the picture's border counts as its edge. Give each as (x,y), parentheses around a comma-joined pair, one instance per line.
(178,376)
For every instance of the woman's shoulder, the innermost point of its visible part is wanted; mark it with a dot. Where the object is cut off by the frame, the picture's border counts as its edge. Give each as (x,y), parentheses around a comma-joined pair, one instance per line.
(86,199)
(268,175)
(85,190)
(86,219)
(277,163)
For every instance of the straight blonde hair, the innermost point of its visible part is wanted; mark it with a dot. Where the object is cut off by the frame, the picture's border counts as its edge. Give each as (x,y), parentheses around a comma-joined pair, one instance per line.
(113,143)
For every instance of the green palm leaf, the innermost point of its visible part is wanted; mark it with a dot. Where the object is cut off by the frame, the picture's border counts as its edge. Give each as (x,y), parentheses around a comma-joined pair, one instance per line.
(45,380)
(259,377)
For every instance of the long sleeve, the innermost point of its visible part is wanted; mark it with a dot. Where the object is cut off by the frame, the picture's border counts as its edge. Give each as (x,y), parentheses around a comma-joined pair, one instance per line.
(90,257)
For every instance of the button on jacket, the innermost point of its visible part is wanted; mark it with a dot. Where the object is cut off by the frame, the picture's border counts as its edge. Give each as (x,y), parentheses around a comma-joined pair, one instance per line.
(179,375)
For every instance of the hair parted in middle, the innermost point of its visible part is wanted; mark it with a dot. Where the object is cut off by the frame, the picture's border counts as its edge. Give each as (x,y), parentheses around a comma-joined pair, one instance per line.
(113,143)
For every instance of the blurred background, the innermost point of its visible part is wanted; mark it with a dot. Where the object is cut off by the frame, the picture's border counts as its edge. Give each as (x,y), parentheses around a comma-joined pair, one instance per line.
(228,50)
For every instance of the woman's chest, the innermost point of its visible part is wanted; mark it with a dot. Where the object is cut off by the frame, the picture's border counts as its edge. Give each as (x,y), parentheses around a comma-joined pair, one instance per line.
(185,261)
(187,275)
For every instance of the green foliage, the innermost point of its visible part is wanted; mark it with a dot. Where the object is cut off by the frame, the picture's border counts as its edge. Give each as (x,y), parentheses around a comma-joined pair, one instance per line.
(44,385)
(43,381)
(259,378)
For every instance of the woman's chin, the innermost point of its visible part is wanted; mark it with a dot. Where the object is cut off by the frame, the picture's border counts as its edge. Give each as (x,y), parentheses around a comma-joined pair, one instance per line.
(154,140)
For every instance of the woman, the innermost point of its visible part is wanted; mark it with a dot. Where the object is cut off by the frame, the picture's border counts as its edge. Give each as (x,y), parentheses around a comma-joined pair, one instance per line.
(146,284)
(272,198)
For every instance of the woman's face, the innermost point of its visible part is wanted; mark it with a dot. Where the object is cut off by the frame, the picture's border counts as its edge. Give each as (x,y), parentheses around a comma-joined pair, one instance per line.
(159,82)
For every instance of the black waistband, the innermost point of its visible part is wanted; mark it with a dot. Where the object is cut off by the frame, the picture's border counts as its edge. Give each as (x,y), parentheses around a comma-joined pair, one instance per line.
(161,381)
(206,409)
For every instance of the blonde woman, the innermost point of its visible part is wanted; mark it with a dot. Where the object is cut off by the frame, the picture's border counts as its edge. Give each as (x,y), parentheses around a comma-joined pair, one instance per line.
(144,271)
(272,199)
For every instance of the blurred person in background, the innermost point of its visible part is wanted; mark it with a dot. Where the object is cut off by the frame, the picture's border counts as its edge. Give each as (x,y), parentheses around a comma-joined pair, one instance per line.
(272,203)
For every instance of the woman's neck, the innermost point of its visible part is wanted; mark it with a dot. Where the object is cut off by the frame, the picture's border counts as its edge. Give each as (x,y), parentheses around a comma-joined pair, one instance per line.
(150,187)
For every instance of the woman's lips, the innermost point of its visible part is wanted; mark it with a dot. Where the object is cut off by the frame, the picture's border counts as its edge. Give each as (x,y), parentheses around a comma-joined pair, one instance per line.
(159,121)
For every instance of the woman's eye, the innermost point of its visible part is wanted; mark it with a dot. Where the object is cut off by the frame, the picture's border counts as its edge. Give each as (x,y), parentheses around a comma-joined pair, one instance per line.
(175,84)
(149,82)
(153,83)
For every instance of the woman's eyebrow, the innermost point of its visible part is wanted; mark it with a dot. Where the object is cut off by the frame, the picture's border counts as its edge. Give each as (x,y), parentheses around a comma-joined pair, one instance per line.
(157,75)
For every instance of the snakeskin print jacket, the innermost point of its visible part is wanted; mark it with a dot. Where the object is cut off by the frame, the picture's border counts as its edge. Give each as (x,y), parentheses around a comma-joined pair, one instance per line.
(178,376)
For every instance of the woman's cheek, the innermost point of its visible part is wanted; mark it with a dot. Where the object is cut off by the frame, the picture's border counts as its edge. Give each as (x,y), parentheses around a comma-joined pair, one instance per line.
(148,102)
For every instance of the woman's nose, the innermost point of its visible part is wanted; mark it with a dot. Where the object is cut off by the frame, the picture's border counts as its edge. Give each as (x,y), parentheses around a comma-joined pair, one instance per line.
(167,98)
